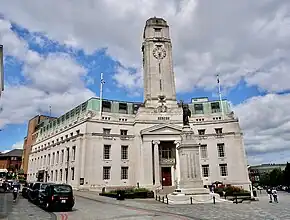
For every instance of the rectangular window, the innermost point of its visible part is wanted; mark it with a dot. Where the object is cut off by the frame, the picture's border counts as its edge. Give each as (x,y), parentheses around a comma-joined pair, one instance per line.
(157,32)
(166,152)
(57,156)
(56,175)
(221,150)
(72,173)
(124,173)
(106,106)
(53,158)
(223,170)
(123,132)
(106,131)
(203,151)
(60,174)
(73,153)
(106,173)
(205,170)
(48,160)
(201,132)
(215,107)
(107,151)
(218,130)
(198,108)
(62,156)
(67,154)
(124,152)
(51,175)
(123,108)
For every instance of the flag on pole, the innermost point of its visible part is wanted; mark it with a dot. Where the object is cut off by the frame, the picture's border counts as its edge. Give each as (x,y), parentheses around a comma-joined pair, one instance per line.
(102,79)
(218,78)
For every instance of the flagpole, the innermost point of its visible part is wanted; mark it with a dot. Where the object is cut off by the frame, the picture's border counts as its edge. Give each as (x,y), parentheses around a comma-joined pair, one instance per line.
(50,111)
(101,95)
(220,95)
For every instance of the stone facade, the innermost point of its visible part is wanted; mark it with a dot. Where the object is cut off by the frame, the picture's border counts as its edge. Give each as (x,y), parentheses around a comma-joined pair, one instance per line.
(136,144)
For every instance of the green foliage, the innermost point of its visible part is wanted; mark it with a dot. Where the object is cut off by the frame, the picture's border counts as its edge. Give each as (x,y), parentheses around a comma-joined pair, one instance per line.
(130,193)
(130,190)
(21,171)
(276,177)
(286,175)
(230,190)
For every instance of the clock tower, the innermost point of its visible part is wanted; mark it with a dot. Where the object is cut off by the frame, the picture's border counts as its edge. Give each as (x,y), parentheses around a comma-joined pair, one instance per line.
(159,80)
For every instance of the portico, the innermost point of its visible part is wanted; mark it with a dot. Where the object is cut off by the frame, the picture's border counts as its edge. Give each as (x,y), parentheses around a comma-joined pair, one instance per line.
(164,159)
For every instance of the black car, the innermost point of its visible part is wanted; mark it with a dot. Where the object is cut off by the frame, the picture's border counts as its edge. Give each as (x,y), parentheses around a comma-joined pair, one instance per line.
(57,196)
(25,189)
(35,190)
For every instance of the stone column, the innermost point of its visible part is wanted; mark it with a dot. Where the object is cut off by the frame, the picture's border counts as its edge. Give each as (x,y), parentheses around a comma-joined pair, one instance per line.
(177,163)
(156,163)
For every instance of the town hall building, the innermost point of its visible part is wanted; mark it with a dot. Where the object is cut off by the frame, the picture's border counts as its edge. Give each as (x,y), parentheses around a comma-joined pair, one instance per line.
(135,144)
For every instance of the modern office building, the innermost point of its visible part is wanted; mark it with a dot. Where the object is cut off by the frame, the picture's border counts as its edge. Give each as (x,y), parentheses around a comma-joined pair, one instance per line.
(130,144)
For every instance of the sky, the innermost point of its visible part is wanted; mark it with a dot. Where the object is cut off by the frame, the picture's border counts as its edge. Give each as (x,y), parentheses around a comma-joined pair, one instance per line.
(54,52)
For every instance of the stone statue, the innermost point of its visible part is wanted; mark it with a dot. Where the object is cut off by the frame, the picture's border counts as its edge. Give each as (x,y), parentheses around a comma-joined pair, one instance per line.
(186,113)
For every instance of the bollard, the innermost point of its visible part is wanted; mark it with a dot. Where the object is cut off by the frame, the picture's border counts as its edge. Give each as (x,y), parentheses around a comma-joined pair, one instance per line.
(159,198)
(156,197)
(213,199)
(167,200)
(236,199)
(163,199)
(191,200)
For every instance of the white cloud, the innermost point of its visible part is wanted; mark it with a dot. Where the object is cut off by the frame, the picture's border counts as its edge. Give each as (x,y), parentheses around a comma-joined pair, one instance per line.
(53,80)
(240,39)
(266,124)
(234,37)
(17,145)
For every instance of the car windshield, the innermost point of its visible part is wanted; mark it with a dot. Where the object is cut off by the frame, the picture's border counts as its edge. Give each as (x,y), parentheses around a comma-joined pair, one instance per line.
(62,189)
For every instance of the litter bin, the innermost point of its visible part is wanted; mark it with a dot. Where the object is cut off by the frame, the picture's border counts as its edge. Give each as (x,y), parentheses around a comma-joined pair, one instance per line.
(254,193)
(120,195)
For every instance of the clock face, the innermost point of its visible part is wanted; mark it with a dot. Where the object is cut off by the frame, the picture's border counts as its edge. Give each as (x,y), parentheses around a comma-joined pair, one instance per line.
(159,53)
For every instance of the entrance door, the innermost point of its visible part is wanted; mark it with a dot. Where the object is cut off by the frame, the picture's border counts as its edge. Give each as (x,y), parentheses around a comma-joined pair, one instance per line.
(166,176)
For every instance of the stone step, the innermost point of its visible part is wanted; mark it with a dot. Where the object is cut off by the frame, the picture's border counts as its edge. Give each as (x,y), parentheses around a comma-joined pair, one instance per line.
(166,190)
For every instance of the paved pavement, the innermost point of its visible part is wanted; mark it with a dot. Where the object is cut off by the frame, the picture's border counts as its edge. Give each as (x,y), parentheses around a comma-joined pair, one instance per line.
(260,210)
(5,204)
(90,206)
(24,210)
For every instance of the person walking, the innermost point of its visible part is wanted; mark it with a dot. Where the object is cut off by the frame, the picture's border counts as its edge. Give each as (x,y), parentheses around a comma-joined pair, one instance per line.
(275,195)
(15,191)
(269,191)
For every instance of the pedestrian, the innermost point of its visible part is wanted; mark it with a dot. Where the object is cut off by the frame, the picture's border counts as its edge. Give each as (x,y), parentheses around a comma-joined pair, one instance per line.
(269,191)
(275,195)
(15,190)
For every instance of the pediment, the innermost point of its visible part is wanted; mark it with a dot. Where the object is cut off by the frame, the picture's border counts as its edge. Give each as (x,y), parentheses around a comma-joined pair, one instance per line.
(168,129)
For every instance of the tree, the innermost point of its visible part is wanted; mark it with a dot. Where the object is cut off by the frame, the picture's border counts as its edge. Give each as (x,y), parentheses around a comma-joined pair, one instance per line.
(286,175)
(276,177)
(265,179)
(273,178)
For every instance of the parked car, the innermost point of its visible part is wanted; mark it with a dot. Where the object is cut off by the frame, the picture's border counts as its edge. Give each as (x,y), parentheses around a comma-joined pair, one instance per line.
(28,189)
(25,189)
(57,196)
(34,193)
(3,186)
